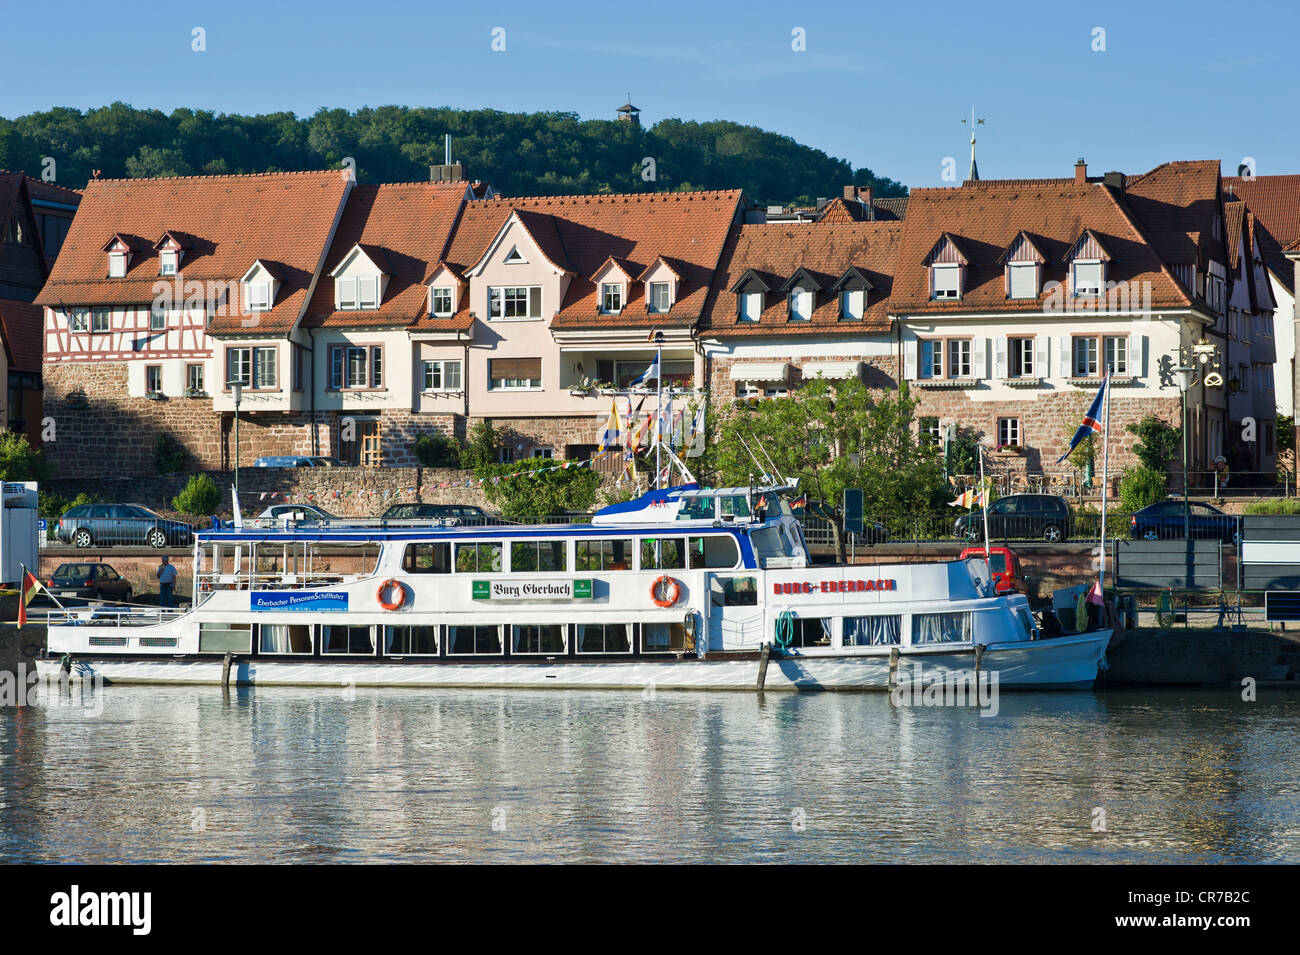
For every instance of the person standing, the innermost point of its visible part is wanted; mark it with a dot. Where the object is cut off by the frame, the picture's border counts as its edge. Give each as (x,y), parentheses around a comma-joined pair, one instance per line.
(166,575)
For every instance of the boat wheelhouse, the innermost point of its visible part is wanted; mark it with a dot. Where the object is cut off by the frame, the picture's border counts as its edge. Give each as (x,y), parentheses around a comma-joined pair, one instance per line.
(682,588)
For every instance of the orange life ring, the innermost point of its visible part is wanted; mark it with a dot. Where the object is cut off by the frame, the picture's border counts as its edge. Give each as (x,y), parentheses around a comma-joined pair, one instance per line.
(672,594)
(391,584)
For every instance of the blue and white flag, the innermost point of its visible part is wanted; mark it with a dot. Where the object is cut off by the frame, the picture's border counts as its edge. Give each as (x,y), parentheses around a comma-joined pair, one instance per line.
(1091,419)
(651,373)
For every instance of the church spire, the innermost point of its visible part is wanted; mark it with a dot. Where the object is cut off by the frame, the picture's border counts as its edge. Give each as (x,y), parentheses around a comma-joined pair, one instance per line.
(974,169)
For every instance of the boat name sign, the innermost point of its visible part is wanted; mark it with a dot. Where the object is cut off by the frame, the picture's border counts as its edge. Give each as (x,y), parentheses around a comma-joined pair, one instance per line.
(532,589)
(333,600)
(834,586)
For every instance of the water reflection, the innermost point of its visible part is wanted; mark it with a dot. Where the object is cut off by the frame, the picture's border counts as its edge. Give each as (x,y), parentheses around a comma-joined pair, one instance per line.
(314,775)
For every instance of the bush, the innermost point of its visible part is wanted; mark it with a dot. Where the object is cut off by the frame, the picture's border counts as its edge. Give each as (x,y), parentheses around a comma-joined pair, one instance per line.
(436,450)
(168,455)
(19,461)
(1141,487)
(199,498)
(1157,442)
(52,506)
(546,493)
(1282,505)
(481,448)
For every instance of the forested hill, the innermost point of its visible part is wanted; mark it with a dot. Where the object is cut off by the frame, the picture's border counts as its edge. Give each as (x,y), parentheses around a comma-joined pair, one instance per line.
(521,154)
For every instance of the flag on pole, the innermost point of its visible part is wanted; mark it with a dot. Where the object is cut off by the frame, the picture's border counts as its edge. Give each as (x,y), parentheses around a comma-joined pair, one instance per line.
(31,587)
(971,498)
(1091,419)
(1094,593)
(651,373)
(693,441)
(611,436)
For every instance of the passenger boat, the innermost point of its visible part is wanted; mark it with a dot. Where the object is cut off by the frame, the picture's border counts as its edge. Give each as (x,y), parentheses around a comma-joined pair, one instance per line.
(683,588)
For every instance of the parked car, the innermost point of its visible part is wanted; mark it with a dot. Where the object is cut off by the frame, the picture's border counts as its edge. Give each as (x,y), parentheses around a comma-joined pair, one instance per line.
(1019,517)
(464,513)
(295,512)
(88,582)
(294,461)
(87,525)
(1164,521)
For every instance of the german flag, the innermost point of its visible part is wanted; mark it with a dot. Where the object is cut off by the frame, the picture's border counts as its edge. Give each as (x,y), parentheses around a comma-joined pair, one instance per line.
(31,587)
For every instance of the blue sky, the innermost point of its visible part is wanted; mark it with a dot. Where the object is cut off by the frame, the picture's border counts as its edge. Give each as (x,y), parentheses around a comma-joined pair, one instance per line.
(881,85)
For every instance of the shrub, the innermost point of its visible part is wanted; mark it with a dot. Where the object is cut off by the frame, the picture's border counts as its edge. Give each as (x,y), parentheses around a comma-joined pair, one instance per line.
(481,448)
(168,455)
(200,497)
(436,450)
(1282,505)
(1158,442)
(1142,487)
(19,461)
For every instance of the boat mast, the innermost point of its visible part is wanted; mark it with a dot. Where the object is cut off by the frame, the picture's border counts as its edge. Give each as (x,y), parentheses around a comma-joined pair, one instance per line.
(1105,486)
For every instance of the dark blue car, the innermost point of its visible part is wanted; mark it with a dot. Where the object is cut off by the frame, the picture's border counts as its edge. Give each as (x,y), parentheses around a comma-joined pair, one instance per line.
(1164,521)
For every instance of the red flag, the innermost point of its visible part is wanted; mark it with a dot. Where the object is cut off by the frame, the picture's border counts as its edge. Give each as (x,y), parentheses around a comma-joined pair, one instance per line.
(30,588)
(1094,594)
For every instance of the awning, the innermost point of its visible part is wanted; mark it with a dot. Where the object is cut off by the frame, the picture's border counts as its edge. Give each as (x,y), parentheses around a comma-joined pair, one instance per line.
(761,371)
(833,370)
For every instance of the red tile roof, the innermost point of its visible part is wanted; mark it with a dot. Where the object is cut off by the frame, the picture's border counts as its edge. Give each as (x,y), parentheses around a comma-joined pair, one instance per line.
(987,216)
(23,326)
(39,189)
(1177,200)
(403,228)
(1274,199)
(284,219)
(579,233)
(775,251)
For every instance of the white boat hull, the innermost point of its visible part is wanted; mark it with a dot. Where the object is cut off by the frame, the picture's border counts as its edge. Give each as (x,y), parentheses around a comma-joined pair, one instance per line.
(1067,661)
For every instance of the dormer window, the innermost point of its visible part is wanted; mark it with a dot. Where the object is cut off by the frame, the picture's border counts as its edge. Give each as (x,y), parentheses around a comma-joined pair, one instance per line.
(167,262)
(751,306)
(258,296)
(358,293)
(116,265)
(853,304)
(1022,280)
(440,301)
(260,284)
(661,297)
(513,257)
(611,298)
(1088,277)
(945,281)
(801,304)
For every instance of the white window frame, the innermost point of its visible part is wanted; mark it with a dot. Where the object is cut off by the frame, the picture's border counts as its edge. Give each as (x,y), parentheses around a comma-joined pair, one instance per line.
(611,298)
(661,298)
(1010,433)
(266,368)
(439,291)
(101,313)
(436,374)
(1022,269)
(1119,345)
(79,319)
(149,370)
(848,298)
(930,366)
(257,296)
(1091,355)
(116,265)
(167,262)
(157,318)
(801,302)
(190,384)
(751,306)
(961,358)
(502,298)
(1088,290)
(947,289)
(1021,348)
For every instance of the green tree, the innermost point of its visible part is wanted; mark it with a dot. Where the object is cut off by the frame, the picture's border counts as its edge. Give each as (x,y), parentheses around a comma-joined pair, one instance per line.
(482,447)
(1141,487)
(832,437)
(518,493)
(436,450)
(19,461)
(1158,442)
(198,498)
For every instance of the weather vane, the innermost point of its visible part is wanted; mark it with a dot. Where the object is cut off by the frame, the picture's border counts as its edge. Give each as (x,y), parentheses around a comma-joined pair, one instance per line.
(974,169)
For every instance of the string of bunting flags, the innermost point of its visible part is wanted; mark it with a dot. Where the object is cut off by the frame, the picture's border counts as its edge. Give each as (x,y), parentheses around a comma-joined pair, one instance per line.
(421,489)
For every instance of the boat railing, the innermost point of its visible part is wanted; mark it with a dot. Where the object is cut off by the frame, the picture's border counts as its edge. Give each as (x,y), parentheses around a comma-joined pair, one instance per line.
(112,616)
(275,580)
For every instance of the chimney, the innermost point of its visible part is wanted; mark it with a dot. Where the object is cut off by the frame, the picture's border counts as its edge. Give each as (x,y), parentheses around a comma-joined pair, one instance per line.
(1115,180)
(1080,171)
(850,193)
(448,172)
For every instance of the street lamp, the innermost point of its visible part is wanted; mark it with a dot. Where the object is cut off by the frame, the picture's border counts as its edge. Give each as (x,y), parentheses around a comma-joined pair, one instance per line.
(1185,373)
(237,390)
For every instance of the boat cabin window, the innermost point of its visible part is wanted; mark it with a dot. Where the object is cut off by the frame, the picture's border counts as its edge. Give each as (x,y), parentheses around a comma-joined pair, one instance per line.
(604,638)
(604,553)
(941,628)
(537,638)
(696,509)
(225,637)
(467,639)
(715,551)
(345,638)
(538,555)
(733,506)
(772,541)
(883,630)
(413,641)
(663,553)
(664,638)
(770,506)
(480,558)
(427,558)
(283,638)
(734,592)
(805,631)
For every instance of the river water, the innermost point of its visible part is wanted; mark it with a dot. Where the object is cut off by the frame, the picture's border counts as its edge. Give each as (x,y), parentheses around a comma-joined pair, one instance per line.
(285,775)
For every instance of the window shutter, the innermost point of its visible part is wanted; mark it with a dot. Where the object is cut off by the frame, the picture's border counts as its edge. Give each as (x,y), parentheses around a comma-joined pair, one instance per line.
(515,368)
(1137,360)
(979,358)
(909,360)
(1042,368)
(535,303)
(1063,357)
(1000,368)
